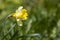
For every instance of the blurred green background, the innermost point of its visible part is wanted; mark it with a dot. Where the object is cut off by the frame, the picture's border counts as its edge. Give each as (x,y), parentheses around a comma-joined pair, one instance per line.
(43,20)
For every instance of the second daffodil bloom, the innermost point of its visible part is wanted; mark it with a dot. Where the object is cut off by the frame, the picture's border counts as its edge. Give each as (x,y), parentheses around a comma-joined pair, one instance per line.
(20,14)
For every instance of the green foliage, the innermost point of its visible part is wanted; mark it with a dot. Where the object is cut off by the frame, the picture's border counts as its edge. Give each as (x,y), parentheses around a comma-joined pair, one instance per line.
(43,21)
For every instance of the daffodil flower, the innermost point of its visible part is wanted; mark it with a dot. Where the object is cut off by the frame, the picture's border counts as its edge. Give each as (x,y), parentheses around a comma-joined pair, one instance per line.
(20,14)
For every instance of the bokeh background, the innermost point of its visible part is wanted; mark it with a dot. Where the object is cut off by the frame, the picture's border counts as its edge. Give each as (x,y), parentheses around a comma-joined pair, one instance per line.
(43,22)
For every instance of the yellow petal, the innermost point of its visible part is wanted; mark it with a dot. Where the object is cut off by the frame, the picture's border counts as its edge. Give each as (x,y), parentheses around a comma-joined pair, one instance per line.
(25,18)
(24,10)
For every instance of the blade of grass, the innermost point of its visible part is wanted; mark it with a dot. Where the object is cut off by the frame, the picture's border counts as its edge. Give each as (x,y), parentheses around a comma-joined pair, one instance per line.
(9,31)
(12,38)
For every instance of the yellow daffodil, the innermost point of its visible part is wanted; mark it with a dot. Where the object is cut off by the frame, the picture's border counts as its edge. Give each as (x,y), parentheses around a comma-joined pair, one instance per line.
(20,14)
